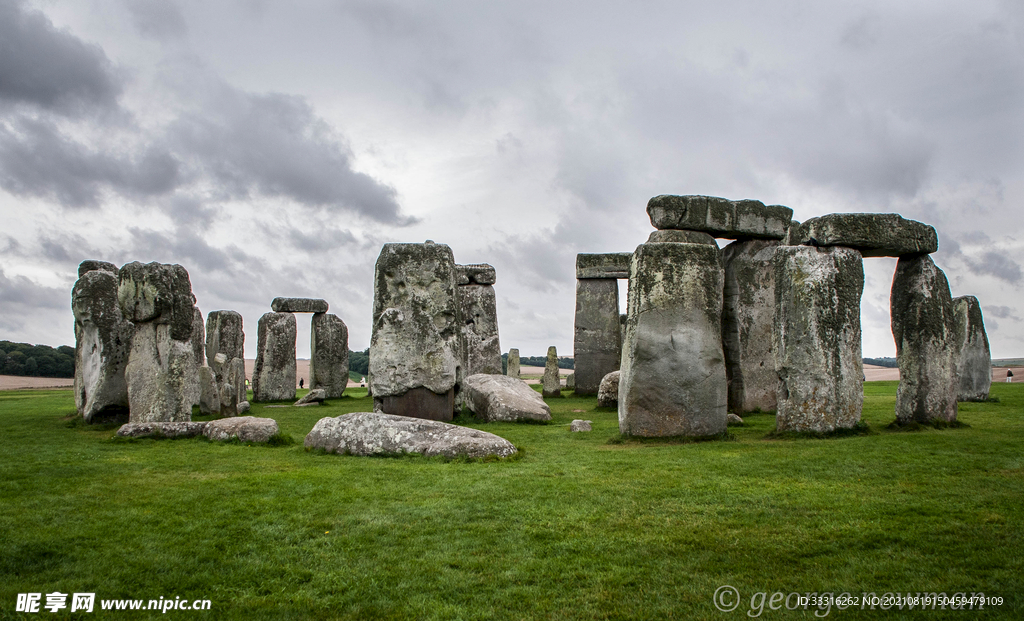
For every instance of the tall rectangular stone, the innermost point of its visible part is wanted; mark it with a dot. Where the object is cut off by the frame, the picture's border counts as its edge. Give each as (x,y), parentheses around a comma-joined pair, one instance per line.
(818,338)
(103,339)
(481,349)
(512,368)
(328,354)
(974,365)
(273,377)
(597,342)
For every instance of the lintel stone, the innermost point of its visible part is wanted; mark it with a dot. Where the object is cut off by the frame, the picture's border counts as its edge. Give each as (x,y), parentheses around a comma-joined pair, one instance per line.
(743,219)
(873,234)
(298,305)
(609,265)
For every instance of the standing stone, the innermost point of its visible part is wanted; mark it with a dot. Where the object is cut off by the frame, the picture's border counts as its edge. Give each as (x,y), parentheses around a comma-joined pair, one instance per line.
(198,342)
(102,343)
(924,328)
(818,338)
(209,397)
(552,386)
(513,363)
(672,381)
(974,364)
(158,299)
(415,347)
(328,355)
(482,351)
(597,342)
(570,382)
(273,378)
(748,314)
(225,353)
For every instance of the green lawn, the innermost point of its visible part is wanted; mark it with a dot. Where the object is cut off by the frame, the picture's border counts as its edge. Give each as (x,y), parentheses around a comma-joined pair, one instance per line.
(583,526)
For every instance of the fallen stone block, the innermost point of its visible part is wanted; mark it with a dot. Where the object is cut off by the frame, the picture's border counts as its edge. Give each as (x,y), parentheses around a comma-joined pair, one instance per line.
(317,395)
(579,425)
(502,398)
(245,428)
(183,429)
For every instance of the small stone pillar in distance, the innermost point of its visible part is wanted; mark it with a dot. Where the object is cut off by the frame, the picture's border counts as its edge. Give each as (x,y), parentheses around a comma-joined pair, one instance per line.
(597,333)
(512,369)
(552,386)
(198,341)
(273,377)
(225,355)
(328,355)
(926,350)
(672,381)
(974,365)
(817,338)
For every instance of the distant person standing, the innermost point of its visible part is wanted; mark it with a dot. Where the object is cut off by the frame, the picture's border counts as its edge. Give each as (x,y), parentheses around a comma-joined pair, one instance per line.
(301,382)
(1009,376)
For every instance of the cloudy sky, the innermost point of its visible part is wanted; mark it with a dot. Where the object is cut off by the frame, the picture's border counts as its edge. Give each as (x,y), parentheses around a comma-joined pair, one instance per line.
(272,148)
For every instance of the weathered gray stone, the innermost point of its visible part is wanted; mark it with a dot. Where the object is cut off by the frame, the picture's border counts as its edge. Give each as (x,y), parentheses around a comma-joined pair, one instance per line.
(371,433)
(328,355)
(512,363)
(748,314)
(672,380)
(579,425)
(209,395)
(242,407)
(417,336)
(482,351)
(924,328)
(225,353)
(597,342)
(734,419)
(502,398)
(186,429)
(232,386)
(610,265)
(299,305)
(873,234)
(974,364)
(102,345)
(608,391)
(90,265)
(198,342)
(720,217)
(551,384)
(817,338)
(273,377)
(316,395)
(680,237)
(570,382)
(475,274)
(245,428)
(792,237)
(157,292)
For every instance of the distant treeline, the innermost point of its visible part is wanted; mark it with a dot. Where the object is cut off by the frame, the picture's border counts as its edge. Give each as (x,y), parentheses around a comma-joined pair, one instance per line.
(359,362)
(36,360)
(539,361)
(882,362)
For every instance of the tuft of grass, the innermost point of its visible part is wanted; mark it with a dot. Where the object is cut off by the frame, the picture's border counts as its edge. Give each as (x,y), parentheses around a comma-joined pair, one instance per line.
(668,440)
(860,429)
(932,424)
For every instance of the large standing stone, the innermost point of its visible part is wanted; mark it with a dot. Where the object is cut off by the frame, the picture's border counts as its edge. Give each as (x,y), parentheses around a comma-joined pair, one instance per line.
(672,381)
(974,364)
(817,338)
(720,217)
(102,344)
(328,355)
(552,384)
(415,347)
(873,234)
(512,363)
(209,396)
(273,377)
(502,398)
(597,342)
(161,369)
(748,314)
(225,353)
(198,342)
(482,351)
(298,305)
(926,348)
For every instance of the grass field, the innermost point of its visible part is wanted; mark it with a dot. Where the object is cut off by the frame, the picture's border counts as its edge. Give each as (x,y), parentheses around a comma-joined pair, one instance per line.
(583,526)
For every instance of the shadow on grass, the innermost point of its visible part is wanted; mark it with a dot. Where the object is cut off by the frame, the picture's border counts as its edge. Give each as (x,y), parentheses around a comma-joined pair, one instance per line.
(622,439)
(417,457)
(860,429)
(897,426)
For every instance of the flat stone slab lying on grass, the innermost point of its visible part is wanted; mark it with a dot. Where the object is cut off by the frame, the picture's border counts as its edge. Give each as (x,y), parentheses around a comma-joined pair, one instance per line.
(317,395)
(179,429)
(719,216)
(299,305)
(579,425)
(503,398)
(873,234)
(245,428)
(370,433)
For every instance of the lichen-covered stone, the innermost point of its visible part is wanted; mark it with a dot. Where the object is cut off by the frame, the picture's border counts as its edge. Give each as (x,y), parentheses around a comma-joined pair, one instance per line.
(102,345)
(512,363)
(502,398)
(681,237)
(416,339)
(923,326)
(245,428)
(198,342)
(481,348)
(159,373)
(475,274)
(225,354)
(748,315)
(672,380)
(273,377)
(817,338)
(316,395)
(209,395)
(299,305)
(734,419)
(719,216)
(974,364)
(90,265)
(608,391)
(157,292)
(610,265)
(579,425)
(372,433)
(597,342)
(328,355)
(186,429)
(551,385)
(873,234)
